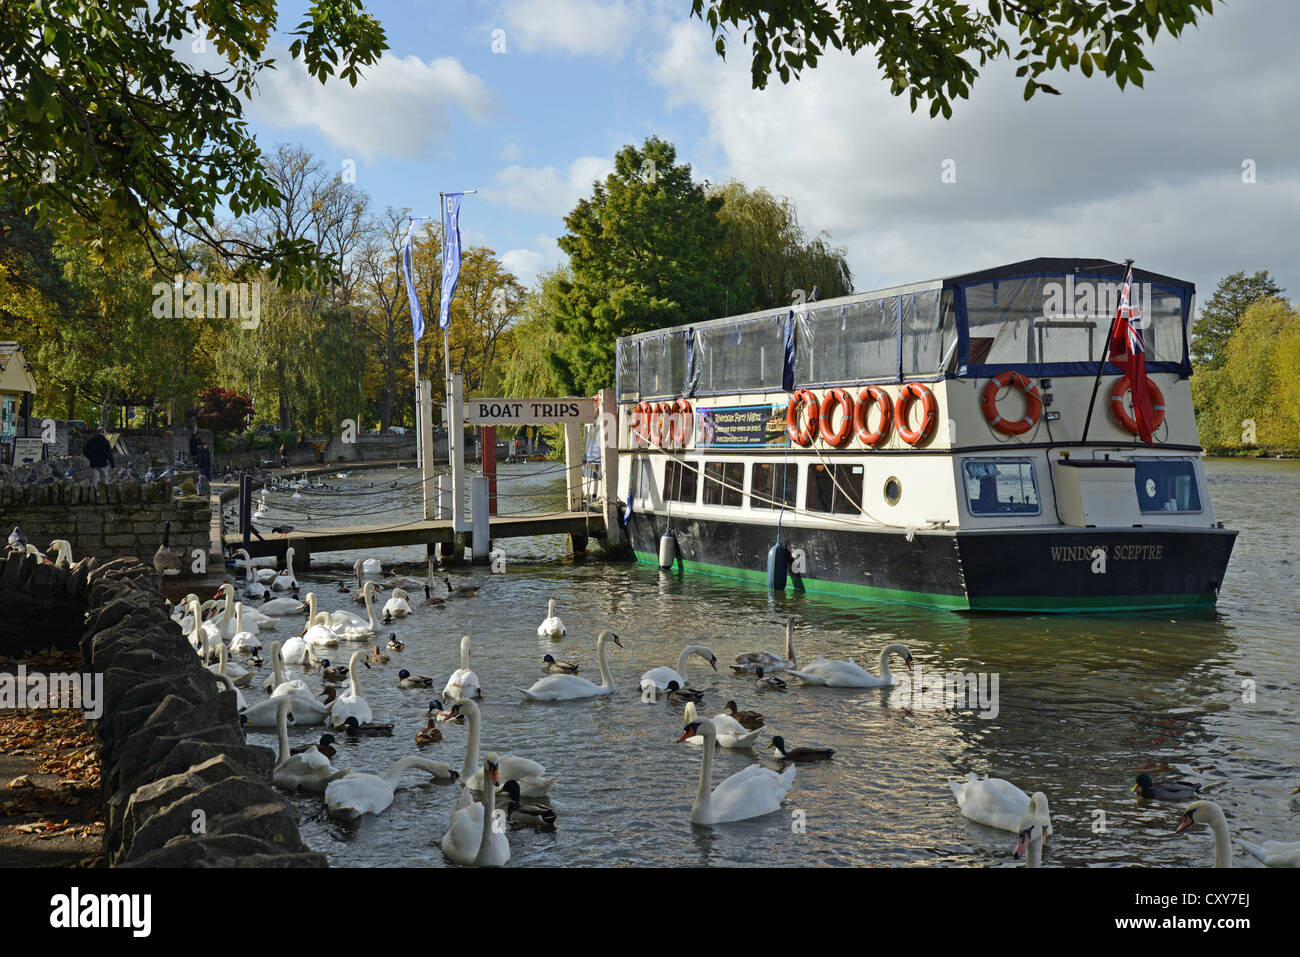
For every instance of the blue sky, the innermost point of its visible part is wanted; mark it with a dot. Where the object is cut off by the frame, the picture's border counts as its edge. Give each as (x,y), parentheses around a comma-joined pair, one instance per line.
(1155,174)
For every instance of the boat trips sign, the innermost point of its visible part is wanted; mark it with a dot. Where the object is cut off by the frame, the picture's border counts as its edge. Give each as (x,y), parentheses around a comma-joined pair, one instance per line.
(746,426)
(529,411)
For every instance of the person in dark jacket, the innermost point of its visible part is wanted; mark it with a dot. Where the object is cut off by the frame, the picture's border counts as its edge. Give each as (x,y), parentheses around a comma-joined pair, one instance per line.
(100,456)
(195,441)
(205,460)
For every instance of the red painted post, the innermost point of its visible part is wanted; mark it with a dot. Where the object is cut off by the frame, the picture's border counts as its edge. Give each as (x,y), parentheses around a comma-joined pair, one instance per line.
(490,465)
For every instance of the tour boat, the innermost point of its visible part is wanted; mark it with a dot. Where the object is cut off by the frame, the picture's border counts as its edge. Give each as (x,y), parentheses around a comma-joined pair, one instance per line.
(929,444)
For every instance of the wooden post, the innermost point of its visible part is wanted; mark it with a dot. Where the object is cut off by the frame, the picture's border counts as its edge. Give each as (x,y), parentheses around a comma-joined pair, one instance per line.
(424,442)
(490,465)
(608,424)
(573,464)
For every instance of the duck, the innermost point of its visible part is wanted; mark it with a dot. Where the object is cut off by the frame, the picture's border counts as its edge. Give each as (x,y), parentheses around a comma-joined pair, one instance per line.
(430,733)
(165,561)
(325,746)
(530,814)
(407,680)
(751,792)
(529,773)
(395,643)
(729,733)
(768,682)
(994,802)
(463,591)
(551,626)
(551,666)
(769,661)
(659,677)
(286,580)
(562,687)
(335,673)
(802,755)
(847,674)
(747,719)
(357,794)
(1179,791)
(463,682)
(379,657)
(679,695)
(309,771)
(352,704)
(355,729)
(397,605)
(470,839)
(445,715)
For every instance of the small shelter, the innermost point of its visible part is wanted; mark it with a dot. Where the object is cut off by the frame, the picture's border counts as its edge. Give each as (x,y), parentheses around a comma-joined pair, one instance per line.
(17,386)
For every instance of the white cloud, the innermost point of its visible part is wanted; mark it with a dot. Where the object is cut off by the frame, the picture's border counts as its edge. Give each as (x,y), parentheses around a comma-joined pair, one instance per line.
(398,109)
(544,189)
(527,264)
(512,152)
(575,27)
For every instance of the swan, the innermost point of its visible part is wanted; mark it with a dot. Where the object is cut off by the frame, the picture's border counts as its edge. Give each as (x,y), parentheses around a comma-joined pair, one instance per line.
(661,676)
(473,838)
(573,687)
(64,549)
(350,627)
(252,587)
(397,606)
(753,792)
(1271,853)
(227,625)
(1030,829)
(310,770)
(847,674)
(309,709)
(998,803)
(239,676)
(200,629)
(241,704)
(283,606)
(319,633)
(729,732)
(286,581)
(243,639)
(551,626)
(372,566)
(277,680)
(1275,853)
(463,683)
(770,661)
(358,793)
(530,775)
(351,704)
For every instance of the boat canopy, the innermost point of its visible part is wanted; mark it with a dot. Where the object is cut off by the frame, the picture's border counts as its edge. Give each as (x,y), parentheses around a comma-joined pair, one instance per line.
(1042,317)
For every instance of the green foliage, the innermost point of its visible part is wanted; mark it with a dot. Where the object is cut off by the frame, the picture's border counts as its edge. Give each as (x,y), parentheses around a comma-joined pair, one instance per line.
(525,369)
(1222,313)
(933,51)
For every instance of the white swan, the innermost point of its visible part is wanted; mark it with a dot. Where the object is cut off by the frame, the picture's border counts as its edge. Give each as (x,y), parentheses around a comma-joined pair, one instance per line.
(200,629)
(227,625)
(551,626)
(351,704)
(277,680)
(64,549)
(319,633)
(471,838)
(350,627)
(573,687)
(282,606)
(1031,831)
(308,770)
(239,676)
(769,661)
(358,793)
(286,581)
(994,802)
(661,676)
(397,606)
(531,776)
(243,640)
(241,705)
(372,566)
(846,674)
(306,706)
(463,683)
(753,792)
(252,587)
(1275,853)
(731,733)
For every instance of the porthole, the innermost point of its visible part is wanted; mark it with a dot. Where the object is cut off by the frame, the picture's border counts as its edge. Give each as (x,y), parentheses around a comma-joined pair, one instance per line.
(893,490)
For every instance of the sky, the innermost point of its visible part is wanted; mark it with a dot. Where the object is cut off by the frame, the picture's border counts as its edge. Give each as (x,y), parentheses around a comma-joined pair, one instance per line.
(1197,175)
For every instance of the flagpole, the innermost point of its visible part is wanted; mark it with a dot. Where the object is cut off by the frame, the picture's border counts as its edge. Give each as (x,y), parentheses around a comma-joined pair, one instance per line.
(1105,356)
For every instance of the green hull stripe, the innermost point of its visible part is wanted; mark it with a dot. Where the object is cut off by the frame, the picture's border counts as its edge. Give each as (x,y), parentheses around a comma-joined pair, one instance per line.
(1013,603)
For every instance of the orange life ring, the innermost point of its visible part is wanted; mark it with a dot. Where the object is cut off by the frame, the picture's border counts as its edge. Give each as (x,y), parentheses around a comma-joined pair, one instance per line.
(657,418)
(833,398)
(801,436)
(873,393)
(679,422)
(929,408)
(1033,403)
(1122,387)
(641,423)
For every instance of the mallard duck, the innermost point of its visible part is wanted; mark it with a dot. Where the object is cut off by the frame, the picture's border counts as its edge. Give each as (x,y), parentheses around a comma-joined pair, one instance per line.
(464,591)
(770,682)
(395,643)
(333,672)
(533,813)
(679,695)
(441,714)
(407,680)
(1165,790)
(802,755)
(325,746)
(355,728)
(751,720)
(551,666)
(429,734)
(379,658)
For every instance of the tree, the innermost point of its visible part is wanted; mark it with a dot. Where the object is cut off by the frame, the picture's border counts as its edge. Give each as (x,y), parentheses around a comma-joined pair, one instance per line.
(645,251)
(223,410)
(1222,312)
(525,370)
(934,50)
(104,118)
(782,260)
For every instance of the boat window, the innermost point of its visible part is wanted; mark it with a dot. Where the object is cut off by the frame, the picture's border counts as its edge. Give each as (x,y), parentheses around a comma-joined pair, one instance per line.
(835,488)
(771,485)
(643,479)
(724,483)
(1001,487)
(1166,485)
(680,481)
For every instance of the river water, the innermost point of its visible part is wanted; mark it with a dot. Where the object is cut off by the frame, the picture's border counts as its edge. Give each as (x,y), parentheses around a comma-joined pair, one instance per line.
(1085,704)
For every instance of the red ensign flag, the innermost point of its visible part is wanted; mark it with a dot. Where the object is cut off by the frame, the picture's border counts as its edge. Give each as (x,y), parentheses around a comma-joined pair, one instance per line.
(1128,352)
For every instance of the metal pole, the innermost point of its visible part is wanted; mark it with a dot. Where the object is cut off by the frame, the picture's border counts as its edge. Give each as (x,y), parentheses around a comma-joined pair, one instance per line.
(1105,354)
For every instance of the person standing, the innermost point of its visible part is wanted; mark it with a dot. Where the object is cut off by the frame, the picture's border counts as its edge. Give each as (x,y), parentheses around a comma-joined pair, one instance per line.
(100,456)
(194,446)
(205,460)
(284,457)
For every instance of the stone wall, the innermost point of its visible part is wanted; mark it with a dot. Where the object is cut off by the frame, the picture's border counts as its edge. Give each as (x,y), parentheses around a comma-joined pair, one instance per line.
(115,520)
(181,787)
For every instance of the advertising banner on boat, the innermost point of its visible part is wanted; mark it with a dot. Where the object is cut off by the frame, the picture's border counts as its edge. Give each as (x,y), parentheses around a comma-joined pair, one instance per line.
(741,427)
